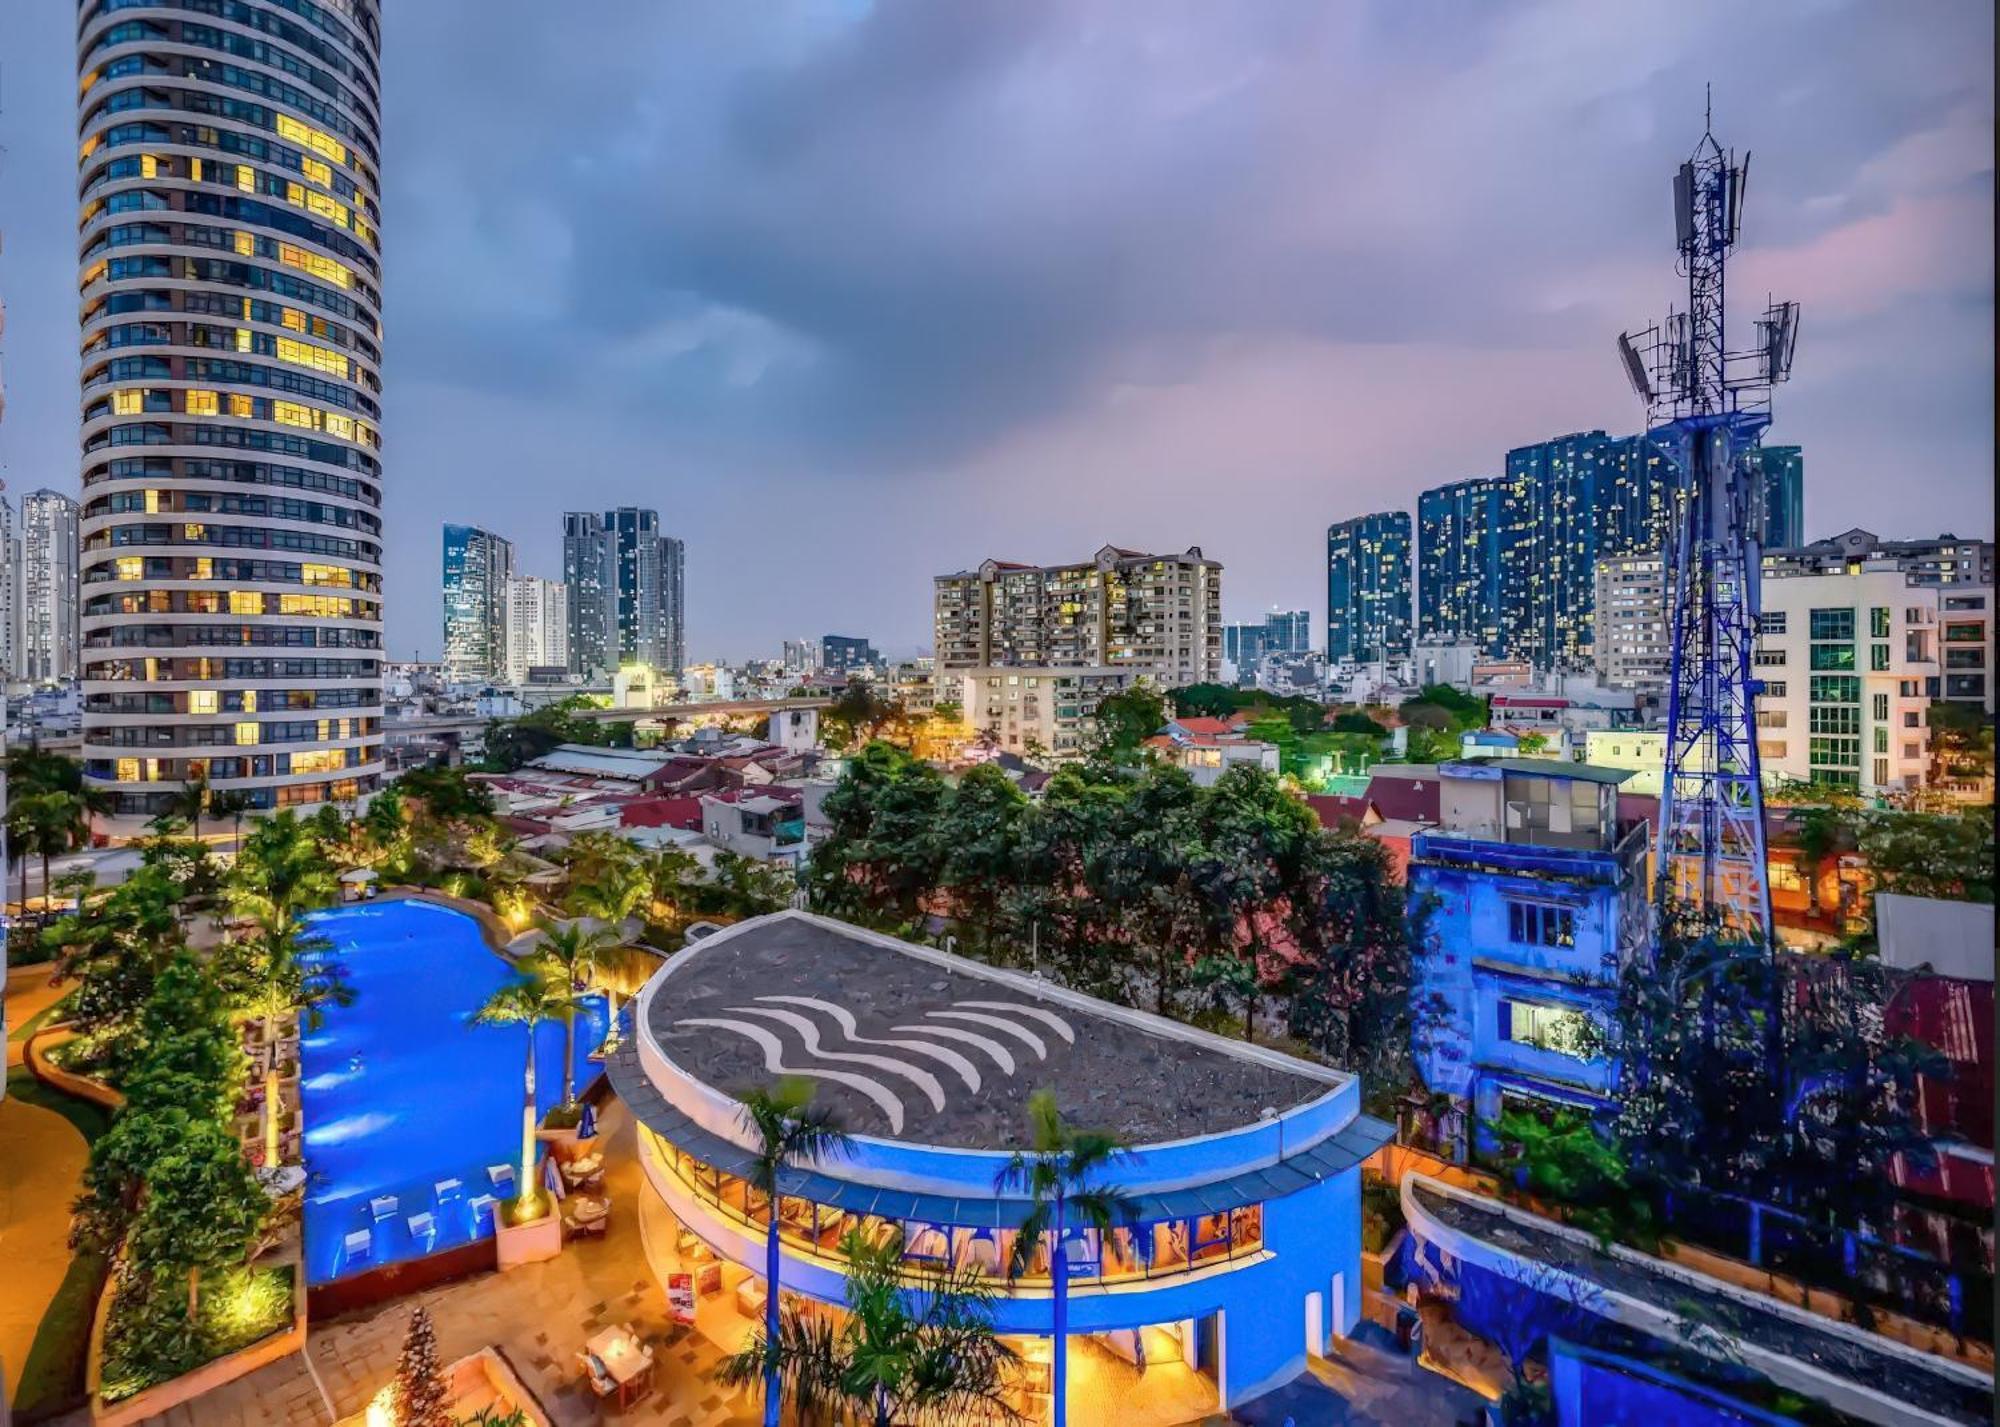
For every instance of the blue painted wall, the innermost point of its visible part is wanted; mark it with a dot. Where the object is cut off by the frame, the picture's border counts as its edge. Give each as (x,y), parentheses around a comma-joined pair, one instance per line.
(1468,1051)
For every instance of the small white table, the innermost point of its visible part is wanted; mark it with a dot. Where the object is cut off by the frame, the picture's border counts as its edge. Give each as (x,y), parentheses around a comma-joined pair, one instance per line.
(625,1359)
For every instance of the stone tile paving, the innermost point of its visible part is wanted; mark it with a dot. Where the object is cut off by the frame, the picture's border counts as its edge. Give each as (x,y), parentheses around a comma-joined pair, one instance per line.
(537,1316)
(1366,1383)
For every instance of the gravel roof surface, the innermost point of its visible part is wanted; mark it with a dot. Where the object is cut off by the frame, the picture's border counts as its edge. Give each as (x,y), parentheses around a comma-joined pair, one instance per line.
(893,1041)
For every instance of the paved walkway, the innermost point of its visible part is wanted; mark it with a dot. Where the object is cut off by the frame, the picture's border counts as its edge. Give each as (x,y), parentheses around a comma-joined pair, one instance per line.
(28,995)
(1366,1383)
(40,1170)
(537,1316)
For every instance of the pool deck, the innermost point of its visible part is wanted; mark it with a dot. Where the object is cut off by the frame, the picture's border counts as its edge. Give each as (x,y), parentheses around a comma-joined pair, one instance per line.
(537,1316)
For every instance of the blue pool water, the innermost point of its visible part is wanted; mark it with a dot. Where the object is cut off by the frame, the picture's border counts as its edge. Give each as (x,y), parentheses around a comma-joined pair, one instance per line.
(401,1094)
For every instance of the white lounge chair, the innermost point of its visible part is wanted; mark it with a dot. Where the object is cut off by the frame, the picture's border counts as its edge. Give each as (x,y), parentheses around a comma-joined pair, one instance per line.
(445,1187)
(357,1245)
(482,1205)
(500,1176)
(421,1225)
(382,1206)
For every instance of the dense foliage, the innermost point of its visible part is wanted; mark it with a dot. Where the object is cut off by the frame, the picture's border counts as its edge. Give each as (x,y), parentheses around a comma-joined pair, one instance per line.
(1126,883)
(1767,1076)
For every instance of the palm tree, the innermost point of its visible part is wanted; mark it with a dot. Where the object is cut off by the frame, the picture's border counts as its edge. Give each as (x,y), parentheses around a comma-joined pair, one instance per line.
(1057,1174)
(192,801)
(535,997)
(280,869)
(46,824)
(570,951)
(619,971)
(231,805)
(786,1127)
(917,1344)
(276,979)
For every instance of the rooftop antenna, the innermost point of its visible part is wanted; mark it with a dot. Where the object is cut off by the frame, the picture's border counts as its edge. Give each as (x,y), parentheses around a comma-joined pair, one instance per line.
(1707,408)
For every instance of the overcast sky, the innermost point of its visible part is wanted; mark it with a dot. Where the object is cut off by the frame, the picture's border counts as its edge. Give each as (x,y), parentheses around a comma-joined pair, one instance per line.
(858,294)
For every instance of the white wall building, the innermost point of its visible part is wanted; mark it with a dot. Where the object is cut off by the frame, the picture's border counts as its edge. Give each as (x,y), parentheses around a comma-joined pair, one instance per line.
(537,625)
(1630,645)
(1849,663)
(49,637)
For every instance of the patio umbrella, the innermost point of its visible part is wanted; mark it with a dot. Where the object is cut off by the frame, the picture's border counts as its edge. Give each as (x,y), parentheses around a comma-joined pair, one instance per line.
(552,1179)
(586,1125)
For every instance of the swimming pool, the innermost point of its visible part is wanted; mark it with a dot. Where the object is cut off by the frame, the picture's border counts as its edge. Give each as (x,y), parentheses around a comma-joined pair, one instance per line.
(407,1106)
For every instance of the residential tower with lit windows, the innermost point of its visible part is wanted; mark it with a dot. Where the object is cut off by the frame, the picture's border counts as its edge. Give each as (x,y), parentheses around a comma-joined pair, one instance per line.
(230,294)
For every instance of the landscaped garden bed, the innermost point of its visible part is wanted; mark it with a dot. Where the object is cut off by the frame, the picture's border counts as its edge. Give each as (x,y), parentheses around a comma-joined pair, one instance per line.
(147,1360)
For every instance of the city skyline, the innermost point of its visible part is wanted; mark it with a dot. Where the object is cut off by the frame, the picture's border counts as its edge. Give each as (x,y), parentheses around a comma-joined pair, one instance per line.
(757,372)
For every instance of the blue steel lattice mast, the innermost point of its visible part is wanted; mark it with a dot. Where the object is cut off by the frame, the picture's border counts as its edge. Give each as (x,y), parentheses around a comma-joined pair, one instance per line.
(1707,408)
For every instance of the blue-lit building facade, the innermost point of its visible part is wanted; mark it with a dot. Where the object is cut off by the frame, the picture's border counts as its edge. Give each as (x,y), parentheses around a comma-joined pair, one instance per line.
(476,567)
(1536,897)
(1368,588)
(1243,1256)
(1460,529)
(1782,470)
(1509,563)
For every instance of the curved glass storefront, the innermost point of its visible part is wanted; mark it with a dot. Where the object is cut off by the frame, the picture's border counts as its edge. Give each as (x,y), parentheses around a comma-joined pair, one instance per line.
(1148,1249)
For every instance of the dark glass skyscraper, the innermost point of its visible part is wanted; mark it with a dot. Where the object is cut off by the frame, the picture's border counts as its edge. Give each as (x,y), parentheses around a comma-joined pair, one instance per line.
(477,566)
(1368,587)
(1784,489)
(229,283)
(627,591)
(1459,531)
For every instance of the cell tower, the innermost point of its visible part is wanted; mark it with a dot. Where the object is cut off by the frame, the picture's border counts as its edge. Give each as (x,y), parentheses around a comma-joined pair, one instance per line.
(1707,408)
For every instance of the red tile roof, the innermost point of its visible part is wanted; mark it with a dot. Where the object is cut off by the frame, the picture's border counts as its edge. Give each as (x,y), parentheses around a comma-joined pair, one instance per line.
(1412,798)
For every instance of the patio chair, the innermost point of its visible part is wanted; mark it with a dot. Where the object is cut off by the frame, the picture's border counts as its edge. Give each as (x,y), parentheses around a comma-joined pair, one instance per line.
(357,1245)
(481,1205)
(444,1188)
(500,1176)
(422,1225)
(382,1206)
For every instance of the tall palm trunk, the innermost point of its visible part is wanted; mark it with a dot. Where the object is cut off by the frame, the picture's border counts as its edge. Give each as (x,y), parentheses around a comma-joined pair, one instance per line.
(569,1057)
(271,1092)
(194,1295)
(610,1017)
(1059,1357)
(772,1391)
(527,1192)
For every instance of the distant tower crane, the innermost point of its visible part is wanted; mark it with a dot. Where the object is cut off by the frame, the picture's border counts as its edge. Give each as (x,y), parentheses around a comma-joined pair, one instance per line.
(1707,408)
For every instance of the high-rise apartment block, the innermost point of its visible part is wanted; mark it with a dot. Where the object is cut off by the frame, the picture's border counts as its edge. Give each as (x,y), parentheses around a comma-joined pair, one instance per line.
(50,636)
(1288,631)
(230,282)
(1782,488)
(1937,560)
(1965,645)
(627,586)
(847,653)
(1368,588)
(592,581)
(1157,615)
(1570,502)
(1093,629)
(1511,564)
(1631,646)
(477,566)
(1460,533)
(537,625)
(10,592)
(1849,664)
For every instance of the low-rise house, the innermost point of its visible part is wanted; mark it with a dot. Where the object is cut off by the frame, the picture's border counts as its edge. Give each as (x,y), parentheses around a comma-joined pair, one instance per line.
(766,825)
(1534,893)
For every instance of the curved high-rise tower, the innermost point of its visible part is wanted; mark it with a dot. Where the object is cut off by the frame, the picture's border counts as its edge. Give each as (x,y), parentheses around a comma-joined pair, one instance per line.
(230,292)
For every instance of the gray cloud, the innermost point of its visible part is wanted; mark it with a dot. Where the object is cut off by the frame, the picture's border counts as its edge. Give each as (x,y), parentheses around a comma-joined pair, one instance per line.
(855,293)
